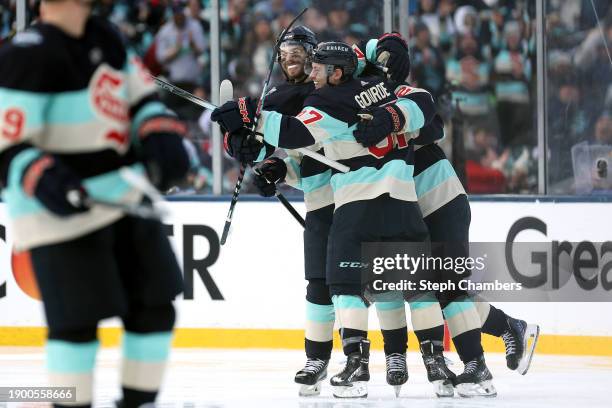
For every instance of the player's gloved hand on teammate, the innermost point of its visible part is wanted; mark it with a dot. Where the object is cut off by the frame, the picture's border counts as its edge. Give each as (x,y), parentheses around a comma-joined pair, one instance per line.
(232,116)
(271,172)
(163,151)
(55,185)
(392,52)
(382,122)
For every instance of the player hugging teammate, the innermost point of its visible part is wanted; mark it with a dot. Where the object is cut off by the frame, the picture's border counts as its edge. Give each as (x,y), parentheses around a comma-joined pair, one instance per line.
(375,201)
(75,109)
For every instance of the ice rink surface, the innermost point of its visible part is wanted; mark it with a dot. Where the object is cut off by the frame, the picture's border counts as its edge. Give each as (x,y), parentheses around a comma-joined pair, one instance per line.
(264,378)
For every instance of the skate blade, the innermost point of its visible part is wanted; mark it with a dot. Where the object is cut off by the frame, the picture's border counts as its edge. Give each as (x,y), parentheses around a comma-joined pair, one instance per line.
(397,389)
(443,388)
(359,389)
(531,333)
(310,390)
(483,389)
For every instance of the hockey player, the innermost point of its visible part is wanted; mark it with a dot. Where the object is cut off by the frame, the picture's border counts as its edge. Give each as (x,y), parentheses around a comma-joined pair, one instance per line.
(76,107)
(445,207)
(378,184)
(314,179)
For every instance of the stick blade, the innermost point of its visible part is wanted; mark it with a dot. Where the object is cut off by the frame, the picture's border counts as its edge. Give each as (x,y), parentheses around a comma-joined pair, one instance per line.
(226,91)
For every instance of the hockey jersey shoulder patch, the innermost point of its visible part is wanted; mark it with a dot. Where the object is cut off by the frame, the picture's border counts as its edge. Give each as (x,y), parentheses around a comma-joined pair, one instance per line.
(403,90)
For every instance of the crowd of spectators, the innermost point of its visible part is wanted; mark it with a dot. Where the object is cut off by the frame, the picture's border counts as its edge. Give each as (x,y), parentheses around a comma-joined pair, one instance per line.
(477,57)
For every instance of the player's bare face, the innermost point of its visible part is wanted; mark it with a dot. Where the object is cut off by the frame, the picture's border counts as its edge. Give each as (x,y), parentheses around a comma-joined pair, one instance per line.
(318,75)
(292,59)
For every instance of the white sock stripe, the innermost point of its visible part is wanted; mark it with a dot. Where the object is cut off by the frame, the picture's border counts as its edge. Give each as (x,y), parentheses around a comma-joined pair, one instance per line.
(392,319)
(427,318)
(319,331)
(462,322)
(142,376)
(82,381)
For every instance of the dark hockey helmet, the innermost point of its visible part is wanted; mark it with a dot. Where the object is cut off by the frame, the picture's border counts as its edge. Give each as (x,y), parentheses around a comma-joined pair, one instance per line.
(301,35)
(336,54)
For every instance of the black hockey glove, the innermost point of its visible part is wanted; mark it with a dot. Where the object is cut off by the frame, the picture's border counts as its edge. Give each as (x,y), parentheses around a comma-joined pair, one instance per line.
(380,123)
(243,148)
(271,172)
(164,153)
(55,186)
(235,115)
(392,52)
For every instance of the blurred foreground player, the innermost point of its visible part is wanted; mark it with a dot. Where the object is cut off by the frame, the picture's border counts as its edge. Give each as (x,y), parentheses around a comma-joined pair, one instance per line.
(75,107)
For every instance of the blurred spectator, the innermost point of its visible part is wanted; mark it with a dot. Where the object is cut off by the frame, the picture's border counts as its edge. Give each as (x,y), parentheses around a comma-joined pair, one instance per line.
(603,128)
(179,44)
(568,123)
(438,18)
(512,75)
(593,62)
(338,21)
(468,72)
(428,68)
(258,44)
(315,20)
(483,165)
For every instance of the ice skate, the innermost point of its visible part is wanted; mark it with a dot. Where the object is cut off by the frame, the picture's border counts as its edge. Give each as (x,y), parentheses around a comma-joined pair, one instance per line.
(352,382)
(311,376)
(475,381)
(397,371)
(438,373)
(519,350)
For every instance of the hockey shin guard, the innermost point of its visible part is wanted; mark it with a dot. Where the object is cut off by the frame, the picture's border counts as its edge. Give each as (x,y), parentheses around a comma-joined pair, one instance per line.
(352,315)
(319,330)
(464,326)
(427,319)
(146,346)
(320,318)
(71,364)
(392,318)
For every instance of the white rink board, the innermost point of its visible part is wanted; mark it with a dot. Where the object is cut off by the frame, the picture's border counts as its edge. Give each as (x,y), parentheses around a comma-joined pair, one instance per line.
(260,275)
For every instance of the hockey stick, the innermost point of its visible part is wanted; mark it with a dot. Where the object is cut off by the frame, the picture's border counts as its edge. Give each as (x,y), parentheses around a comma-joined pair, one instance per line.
(264,91)
(77,199)
(208,105)
(284,201)
(182,93)
(226,93)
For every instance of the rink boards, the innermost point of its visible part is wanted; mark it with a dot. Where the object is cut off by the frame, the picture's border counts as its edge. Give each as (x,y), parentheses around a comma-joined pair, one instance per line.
(249,293)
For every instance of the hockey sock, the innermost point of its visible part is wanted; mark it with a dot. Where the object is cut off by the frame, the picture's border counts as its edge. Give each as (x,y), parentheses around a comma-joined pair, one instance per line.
(352,315)
(493,319)
(71,364)
(392,318)
(427,319)
(144,362)
(464,325)
(319,330)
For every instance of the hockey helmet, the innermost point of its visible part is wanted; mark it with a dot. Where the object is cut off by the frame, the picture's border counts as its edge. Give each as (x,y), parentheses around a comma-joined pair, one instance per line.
(301,35)
(336,54)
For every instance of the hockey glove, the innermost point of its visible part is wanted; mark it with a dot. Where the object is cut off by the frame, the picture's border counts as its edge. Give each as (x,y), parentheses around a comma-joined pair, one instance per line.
(243,148)
(164,153)
(384,121)
(271,172)
(392,52)
(235,115)
(55,186)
